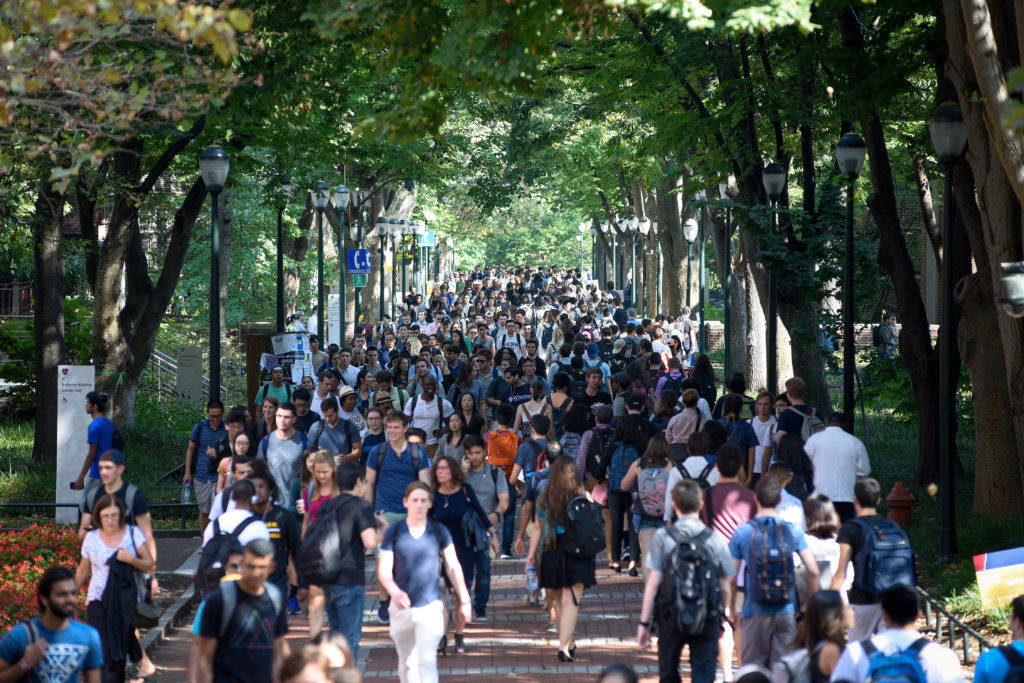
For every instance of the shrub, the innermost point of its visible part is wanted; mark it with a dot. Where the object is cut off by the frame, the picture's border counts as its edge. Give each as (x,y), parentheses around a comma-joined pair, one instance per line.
(25,556)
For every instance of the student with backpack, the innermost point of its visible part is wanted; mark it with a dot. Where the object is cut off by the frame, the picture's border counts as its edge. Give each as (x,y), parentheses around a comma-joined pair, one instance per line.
(502,449)
(568,536)
(688,590)
(818,643)
(1006,663)
(648,479)
(766,545)
(799,418)
(899,653)
(238,525)
(625,448)
(321,490)
(881,556)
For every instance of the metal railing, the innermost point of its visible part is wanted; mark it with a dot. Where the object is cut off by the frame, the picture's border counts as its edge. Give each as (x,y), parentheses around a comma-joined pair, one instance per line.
(165,366)
(183,507)
(954,639)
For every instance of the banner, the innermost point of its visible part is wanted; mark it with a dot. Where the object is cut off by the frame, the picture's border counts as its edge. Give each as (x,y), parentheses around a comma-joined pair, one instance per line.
(1000,576)
(73,383)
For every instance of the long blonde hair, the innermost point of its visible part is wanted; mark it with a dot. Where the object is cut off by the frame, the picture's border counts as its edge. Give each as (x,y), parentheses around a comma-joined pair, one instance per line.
(325,457)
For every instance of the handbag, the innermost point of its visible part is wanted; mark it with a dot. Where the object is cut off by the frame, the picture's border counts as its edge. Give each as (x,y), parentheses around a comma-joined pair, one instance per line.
(474,531)
(146,613)
(600,494)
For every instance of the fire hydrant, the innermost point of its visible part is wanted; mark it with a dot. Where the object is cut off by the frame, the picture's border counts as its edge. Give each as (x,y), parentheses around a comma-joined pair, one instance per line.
(900,500)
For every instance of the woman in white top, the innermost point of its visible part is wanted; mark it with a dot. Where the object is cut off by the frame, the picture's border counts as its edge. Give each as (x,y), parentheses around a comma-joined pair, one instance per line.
(821,529)
(111,554)
(526,411)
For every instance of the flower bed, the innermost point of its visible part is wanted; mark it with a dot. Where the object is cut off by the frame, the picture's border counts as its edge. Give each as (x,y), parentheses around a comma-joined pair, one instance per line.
(24,556)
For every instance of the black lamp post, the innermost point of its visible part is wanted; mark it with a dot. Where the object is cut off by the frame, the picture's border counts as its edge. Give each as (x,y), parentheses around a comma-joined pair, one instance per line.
(593,253)
(603,226)
(690,230)
(774,177)
(644,229)
(321,195)
(702,275)
(723,192)
(633,225)
(284,187)
(214,165)
(395,228)
(850,151)
(382,234)
(406,230)
(341,197)
(949,135)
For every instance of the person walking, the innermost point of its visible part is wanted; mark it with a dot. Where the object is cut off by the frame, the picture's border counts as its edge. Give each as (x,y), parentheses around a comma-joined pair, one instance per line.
(454,500)
(994,665)
(491,488)
(202,445)
(839,458)
(819,642)
(53,647)
(411,552)
(322,489)
(282,449)
(99,438)
(562,575)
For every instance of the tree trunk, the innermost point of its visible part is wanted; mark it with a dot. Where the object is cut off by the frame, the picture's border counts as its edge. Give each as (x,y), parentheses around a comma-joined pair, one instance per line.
(48,314)
(756,324)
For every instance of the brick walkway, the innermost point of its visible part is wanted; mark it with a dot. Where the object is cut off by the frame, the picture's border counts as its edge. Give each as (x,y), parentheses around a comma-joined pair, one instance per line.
(513,645)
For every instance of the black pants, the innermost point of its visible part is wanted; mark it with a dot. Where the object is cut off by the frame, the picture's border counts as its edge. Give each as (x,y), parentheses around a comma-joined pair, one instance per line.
(618,505)
(703,651)
(113,670)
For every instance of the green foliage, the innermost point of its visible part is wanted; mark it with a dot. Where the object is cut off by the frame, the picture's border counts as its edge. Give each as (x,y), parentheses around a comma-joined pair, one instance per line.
(19,345)
(887,385)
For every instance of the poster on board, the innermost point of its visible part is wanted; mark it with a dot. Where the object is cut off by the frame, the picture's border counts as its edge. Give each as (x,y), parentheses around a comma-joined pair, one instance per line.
(73,383)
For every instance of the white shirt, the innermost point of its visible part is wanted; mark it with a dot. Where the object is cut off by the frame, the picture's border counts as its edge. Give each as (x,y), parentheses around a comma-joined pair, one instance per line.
(694,464)
(939,663)
(765,437)
(349,375)
(426,417)
(839,458)
(231,519)
(215,508)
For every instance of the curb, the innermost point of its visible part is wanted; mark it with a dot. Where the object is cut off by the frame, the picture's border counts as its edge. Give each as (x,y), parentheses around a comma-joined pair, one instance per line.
(173,614)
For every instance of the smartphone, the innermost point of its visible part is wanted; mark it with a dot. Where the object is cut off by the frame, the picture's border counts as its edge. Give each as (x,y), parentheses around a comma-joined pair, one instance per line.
(71,485)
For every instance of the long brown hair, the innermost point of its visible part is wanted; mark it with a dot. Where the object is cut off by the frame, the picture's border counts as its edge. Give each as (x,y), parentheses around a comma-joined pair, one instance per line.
(563,486)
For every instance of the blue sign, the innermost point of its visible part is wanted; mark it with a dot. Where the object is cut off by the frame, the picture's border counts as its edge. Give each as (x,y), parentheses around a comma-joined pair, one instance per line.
(359,261)
(426,239)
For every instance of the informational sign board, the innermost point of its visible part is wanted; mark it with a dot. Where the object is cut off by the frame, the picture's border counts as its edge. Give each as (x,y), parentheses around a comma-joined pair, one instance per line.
(1000,576)
(358,280)
(73,383)
(333,321)
(426,239)
(190,374)
(359,261)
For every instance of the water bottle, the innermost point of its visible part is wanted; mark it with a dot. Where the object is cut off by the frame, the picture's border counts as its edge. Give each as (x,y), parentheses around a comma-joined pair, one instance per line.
(531,578)
(186,494)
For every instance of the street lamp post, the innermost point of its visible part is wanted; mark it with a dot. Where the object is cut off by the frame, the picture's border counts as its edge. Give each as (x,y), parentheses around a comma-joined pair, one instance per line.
(382,235)
(949,136)
(582,227)
(702,274)
(659,268)
(623,230)
(321,195)
(690,230)
(395,228)
(850,152)
(341,196)
(645,228)
(406,231)
(603,226)
(284,190)
(774,182)
(633,224)
(213,166)
(723,192)
(593,254)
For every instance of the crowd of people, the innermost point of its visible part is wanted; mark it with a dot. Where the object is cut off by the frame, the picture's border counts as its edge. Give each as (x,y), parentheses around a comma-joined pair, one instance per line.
(524,413)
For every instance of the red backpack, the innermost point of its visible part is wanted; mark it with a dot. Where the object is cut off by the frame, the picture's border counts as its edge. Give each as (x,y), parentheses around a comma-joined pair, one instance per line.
(502,447)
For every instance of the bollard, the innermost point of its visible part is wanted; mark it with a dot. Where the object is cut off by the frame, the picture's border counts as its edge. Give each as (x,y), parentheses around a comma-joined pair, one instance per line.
(900,501)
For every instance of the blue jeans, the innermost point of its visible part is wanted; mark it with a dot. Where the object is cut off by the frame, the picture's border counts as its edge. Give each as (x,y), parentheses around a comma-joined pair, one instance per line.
(508,522)
(344,608)
(703,651)
(482,589)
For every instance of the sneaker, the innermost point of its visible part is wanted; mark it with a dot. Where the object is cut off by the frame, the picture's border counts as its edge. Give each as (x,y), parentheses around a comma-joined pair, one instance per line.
(552,627)
(506,556)
(530,601)
(293,606)
(479,615)
(382,612)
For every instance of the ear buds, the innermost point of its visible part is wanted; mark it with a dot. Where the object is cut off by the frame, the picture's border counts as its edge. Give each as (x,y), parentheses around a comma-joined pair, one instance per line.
(255,499)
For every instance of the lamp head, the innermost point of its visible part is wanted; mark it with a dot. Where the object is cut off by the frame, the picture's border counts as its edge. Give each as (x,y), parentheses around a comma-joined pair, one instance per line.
(604,227)
(949,134)
(213,166)
(645,226)
(381,225)
(723,190)
(341,197)
(774,176)
(429,215)
(321,194)
(690,229)
(633,222)
(1011,289)
(850,152)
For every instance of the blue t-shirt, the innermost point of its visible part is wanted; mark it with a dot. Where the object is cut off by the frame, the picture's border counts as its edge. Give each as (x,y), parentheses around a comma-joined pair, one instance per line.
(742,435)
(739,548)
(526,456)
(417,560)
(205,436)
(992,666)
(101,433)
(395,474)
(71,650)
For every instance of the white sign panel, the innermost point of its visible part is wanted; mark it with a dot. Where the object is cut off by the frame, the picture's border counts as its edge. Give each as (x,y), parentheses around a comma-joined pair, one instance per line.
(73,383)
(333,321)
(190,374)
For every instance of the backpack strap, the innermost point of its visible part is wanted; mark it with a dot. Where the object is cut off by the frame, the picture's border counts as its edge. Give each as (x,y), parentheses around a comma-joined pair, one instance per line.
(709,507)
(224,497)
(33,632)
(440,412)
(229,601)
(237,531)
(704,473)
(1014,658)
(916,646)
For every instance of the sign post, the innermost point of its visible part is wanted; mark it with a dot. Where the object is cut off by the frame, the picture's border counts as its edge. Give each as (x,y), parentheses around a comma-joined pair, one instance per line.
(73,383)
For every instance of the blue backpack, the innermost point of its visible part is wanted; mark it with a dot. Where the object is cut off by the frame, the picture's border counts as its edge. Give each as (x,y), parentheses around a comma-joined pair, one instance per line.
(899,667)
(885,559)
(770,568)
(622,458)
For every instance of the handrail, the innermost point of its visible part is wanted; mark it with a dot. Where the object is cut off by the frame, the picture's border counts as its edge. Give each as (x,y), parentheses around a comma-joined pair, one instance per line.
(164,362)
(952,624)
(184,507)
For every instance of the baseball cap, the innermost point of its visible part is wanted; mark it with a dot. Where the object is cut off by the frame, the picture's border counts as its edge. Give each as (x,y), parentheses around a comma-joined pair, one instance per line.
(592,350)
(619,345)
(634,401)
(115,456)
(603,412)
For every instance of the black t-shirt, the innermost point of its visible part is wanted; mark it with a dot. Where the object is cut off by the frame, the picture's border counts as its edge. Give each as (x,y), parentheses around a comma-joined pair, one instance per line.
(246,653)
(286,537)
(304,422)
(791,423)
(853,535)
(354,516)
(519,395)
(499,389)
(140,506)
(583,398)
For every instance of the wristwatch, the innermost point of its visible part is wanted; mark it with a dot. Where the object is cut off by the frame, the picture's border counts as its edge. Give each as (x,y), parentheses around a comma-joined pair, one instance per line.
(645,624)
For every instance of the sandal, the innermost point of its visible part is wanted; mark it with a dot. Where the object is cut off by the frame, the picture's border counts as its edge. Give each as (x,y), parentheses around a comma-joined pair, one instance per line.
(442,647)
(460,645)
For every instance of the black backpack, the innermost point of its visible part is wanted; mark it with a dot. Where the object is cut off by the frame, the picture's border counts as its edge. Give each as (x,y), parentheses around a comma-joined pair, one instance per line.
(595,452)
(322,552)
(215,555)
(673,383)
(117,442)
(701,478)
(690,589)
(1015,674)
(584,528)
(885,559)
(876,336)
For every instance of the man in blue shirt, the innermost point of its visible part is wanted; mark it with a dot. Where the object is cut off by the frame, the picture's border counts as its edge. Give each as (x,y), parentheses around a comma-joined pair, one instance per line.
(100,439)
(768,628)
(53,647)
(993,665)
(202,445)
